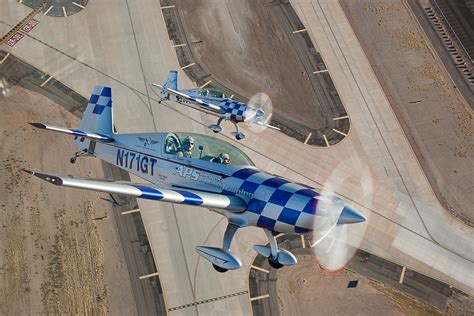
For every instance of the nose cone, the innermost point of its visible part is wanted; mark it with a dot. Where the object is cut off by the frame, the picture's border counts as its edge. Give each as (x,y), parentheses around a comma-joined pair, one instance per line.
(350,215)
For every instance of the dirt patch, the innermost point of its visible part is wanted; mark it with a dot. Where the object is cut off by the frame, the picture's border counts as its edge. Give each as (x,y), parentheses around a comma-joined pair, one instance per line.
(303,286)
(435,118)
(55,258)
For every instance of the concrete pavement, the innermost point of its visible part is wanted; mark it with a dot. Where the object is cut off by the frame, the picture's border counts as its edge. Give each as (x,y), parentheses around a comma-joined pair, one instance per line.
(374,167)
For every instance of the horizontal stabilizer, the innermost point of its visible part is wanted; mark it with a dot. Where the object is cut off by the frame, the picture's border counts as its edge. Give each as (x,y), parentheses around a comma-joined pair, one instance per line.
(93,136)
(148,191)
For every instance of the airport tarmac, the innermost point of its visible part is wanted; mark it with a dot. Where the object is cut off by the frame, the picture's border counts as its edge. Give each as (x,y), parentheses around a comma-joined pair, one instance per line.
(124,45)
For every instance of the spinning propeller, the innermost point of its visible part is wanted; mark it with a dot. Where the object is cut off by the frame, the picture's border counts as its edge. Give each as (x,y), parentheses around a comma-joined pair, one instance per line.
(335,243)
(259,113)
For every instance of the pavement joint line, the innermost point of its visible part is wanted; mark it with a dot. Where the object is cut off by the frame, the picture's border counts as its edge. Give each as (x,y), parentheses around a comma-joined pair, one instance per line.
(168,7)
(49,9)
(303,243)
(187,66)
(308,137)
(78,5)
(320,71)
(207,301)
(402,275)
(261,297)
(197,121)
(178,45)
(299,31)
(146,276)
(46,81)
(64,11)
(130,211)
(339,132)
(20,24)
(4,58)
(259,269)
(206,84)
(326,140)
(340,118)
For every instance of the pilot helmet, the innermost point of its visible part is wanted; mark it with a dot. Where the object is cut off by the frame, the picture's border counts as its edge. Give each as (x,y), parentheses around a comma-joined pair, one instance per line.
(188,142)
(225,158)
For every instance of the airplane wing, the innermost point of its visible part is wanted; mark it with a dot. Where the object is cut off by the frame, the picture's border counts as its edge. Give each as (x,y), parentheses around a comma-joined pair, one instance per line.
(148,191)
(189,98)
(75,132)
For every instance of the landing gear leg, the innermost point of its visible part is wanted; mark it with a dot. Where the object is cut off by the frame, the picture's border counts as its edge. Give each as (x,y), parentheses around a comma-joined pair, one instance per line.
(277,257)
(273,258)
(228,236)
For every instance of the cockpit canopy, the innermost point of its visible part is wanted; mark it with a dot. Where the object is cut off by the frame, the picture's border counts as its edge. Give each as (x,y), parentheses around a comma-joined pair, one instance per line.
(197,146)
(210,93)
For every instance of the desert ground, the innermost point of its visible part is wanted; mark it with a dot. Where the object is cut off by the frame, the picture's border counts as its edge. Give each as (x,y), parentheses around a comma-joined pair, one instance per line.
(60,253)
(436,119)
(304,287)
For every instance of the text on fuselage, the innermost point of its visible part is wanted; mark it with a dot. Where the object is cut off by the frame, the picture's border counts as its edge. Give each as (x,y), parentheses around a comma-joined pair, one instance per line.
(134,161)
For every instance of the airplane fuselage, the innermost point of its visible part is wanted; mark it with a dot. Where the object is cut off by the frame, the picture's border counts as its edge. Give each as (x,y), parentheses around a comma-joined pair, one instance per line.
(272,202)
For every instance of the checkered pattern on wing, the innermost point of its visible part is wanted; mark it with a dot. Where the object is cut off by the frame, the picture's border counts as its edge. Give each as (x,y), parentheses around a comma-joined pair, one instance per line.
(277,204)
(101,98)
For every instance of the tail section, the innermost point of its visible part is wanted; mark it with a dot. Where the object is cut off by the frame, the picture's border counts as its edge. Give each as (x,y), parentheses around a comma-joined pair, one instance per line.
(172,81)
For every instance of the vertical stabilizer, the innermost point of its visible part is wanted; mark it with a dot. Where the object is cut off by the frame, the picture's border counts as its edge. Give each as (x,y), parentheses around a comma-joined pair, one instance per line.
(97,117)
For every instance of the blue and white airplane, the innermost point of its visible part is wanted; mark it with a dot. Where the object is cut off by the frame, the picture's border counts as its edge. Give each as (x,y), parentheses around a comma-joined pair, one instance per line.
(215,175)
(213,101)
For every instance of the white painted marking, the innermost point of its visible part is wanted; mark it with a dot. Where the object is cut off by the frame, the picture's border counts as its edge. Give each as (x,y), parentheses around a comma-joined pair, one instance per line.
(78,5)
(187,66)
(46,81)
(168,7)
(4,58)
(131,211)
(299,31)
(259,297)
(340,118)
(47,11)
(178,45)
(148,276)
(339,132)
(64,12)
(206,84)
(259,269)
(307,138)
(320,71)
(402,275)
(326,140)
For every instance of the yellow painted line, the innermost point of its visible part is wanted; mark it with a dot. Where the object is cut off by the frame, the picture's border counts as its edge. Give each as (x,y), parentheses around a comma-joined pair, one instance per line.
(49,9)
(320,71)
(4,58)
(168,7)
(339,132)
(64,12)
(326,140)
(148,276)
(299,31)
(179,45)
(20,24)
(307,138)
(206,84)
(259,297)
(78,5)
(402,275)
(303,244)
(259,269)
(131,211)
(340,118)
(46,81)
(187,66)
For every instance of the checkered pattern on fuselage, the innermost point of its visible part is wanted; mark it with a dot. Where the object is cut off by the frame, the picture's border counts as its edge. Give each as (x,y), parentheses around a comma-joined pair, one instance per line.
(273,202)
(101,98)
(235,109)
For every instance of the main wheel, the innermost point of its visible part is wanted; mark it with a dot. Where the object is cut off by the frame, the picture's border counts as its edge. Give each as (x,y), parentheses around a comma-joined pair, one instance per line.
(274,264)
(219,269)
(72,160)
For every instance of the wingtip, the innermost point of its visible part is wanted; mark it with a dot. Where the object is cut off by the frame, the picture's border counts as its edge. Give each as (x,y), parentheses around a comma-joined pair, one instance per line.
(28,171)
(38,125)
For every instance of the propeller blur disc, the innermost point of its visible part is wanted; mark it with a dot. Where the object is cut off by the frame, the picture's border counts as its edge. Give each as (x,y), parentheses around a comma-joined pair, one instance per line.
(259,112)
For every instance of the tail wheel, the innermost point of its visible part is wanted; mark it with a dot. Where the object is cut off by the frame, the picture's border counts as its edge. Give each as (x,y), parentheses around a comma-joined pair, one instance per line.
(219,269)
(274,264)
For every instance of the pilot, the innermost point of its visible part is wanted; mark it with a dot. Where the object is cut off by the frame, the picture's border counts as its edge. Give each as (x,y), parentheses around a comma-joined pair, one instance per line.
(222,158)
(187,146)
(171,145)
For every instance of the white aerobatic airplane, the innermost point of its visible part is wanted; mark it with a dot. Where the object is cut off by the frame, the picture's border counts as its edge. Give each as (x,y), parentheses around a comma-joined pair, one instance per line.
(213,101)
(215,175)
